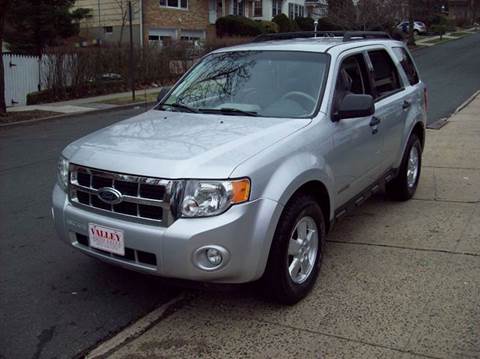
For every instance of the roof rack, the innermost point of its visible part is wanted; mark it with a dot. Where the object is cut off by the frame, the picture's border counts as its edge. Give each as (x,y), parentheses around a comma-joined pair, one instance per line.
(346,35)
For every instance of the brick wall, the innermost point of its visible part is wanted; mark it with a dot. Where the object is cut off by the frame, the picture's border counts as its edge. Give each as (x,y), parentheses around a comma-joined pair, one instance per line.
(195,18)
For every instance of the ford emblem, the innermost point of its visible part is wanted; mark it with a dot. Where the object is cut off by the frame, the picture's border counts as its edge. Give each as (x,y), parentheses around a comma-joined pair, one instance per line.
(109,195)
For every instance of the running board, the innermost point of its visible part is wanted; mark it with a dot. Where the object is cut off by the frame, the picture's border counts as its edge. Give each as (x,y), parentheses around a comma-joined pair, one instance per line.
(365,194)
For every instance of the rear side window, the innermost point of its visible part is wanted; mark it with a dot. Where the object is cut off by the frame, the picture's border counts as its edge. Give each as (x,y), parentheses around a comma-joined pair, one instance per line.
(385,74)
(407,64)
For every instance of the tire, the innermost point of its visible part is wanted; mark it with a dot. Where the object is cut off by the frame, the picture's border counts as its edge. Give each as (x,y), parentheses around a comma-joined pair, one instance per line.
(416,32)
(277,282)
(403,187)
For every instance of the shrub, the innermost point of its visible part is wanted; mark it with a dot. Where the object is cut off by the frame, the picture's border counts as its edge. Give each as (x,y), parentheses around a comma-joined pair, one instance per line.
(284,23)
(305,23)
(267,27)
(327,24)
(438,29)
(237,26)
(439,19)
(217,43)
(71,92)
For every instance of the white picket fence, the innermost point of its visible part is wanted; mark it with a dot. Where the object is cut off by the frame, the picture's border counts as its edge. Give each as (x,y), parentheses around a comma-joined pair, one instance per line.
(23,75)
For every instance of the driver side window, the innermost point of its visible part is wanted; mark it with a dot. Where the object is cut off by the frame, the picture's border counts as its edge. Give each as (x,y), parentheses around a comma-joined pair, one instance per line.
(352,79)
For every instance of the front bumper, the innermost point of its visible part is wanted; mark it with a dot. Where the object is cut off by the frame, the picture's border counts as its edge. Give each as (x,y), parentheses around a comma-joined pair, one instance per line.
(245,231)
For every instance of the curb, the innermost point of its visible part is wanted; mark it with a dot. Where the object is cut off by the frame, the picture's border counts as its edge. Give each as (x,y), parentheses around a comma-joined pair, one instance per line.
(443,121)
(467,102)
(76,114)
(133,331)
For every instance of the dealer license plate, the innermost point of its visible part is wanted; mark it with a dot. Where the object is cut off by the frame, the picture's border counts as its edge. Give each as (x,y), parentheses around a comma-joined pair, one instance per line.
(106,239)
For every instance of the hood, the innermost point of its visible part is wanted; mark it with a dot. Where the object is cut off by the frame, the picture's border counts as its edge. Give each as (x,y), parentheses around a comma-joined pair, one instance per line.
(179,145)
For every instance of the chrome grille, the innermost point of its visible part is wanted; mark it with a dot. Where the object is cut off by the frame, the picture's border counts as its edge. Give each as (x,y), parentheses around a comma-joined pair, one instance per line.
(142,197)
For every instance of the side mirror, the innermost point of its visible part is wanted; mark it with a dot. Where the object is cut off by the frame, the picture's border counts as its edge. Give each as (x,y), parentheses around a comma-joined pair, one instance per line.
(353,106)
(163,92)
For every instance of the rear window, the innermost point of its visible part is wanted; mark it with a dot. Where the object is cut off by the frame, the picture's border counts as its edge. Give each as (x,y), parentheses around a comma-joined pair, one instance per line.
(407,64)
(385,73)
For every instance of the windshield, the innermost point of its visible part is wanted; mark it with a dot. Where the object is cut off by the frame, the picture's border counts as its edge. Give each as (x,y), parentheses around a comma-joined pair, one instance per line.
(255,83)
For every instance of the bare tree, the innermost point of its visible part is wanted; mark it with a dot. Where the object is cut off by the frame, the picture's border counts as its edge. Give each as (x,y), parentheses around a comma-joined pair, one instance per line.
(375,14)
(343,13)
(3,108)
(365,14)
(122,6)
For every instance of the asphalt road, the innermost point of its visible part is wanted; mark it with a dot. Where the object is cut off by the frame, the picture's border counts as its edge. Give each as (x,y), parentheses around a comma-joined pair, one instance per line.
(55,302)
(452,74)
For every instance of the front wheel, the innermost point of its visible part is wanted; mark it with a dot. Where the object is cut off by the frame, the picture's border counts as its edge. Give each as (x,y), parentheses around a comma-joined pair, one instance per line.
(296,253)
(403,187)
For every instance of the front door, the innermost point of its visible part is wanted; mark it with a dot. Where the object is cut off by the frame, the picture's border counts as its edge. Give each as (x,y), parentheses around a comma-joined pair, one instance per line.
(357,142)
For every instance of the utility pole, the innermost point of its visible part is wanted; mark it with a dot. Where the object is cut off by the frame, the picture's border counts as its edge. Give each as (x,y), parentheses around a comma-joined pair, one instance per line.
(131,59)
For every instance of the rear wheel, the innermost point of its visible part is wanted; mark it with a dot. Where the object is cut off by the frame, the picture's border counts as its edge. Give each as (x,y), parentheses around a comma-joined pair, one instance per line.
(403,187)
(296,253)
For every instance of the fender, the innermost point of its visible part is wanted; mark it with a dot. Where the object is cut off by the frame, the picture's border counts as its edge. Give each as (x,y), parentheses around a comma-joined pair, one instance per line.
(285,180)
(408,133)
(296,171)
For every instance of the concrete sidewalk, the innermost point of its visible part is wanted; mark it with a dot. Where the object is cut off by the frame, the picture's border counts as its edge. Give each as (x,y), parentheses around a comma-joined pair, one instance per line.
(400,280)
(429,41)
(85,104)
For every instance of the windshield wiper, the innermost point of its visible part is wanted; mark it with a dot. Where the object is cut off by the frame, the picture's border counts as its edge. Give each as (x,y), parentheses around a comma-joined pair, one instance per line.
(179,106)
(229,111)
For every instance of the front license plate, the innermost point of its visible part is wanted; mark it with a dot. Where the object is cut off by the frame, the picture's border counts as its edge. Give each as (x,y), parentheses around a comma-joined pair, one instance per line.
(106,239)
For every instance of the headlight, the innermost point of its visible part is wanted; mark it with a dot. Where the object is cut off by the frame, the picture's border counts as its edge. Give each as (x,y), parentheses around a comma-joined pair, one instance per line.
(62,173)
(210,198)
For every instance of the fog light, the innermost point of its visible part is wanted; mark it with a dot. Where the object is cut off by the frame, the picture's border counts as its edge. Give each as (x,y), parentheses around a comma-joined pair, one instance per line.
(214,256)
(211,257)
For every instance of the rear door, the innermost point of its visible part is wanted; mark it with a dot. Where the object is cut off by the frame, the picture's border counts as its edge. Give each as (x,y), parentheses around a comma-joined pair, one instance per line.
(414,98)
(391,102)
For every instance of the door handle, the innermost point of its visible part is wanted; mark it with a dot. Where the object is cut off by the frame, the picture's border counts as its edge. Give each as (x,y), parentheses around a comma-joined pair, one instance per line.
(406,105)
(375,121)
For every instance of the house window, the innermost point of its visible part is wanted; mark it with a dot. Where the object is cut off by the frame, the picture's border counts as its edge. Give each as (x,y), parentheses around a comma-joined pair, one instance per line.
(276,7)
(238,8)
(158,40)
(108,30)
(176,4)
(295,10)
(257,8)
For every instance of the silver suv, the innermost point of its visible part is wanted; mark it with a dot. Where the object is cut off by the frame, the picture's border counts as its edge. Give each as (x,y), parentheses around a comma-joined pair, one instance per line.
(242,168)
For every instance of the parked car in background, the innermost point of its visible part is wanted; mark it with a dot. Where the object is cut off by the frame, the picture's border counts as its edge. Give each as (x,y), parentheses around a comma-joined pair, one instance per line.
(419,27)
(242,168)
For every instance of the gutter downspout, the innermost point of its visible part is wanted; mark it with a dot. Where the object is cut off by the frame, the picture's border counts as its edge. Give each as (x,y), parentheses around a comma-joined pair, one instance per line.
(141,23)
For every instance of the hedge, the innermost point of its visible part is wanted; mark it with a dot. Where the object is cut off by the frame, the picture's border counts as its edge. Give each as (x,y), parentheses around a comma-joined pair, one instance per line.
(232,25)
(327,24)
(305,23)
(267,27)
(284,23)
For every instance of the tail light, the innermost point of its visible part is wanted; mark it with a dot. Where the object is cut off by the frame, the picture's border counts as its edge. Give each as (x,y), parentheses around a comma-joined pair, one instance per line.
(425,98)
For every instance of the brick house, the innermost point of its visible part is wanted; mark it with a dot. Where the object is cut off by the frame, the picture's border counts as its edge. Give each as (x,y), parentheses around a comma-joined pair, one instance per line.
(160,21)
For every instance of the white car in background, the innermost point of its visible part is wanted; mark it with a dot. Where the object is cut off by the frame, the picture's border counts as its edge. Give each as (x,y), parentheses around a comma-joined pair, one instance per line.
(419,28)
